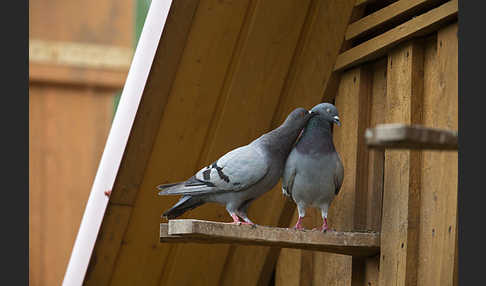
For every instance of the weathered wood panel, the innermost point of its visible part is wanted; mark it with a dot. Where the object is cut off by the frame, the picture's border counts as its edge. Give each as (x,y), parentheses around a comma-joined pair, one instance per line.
(437,240)
(70,113)
(66,147)
(401,198)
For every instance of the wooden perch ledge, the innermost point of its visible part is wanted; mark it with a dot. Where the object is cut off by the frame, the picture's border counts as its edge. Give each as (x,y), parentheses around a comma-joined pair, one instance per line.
(402,136)
(349,243)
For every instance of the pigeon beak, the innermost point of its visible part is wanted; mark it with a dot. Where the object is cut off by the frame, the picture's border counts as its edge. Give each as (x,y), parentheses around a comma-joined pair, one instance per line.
(312,113)
(336,120)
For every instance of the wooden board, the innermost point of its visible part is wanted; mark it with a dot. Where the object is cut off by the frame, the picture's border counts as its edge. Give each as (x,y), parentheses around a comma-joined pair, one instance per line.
(65,159)
(379,45)
(401,197)
(402,136)
(439,175)
(72,76)
(349,243)
(391,13)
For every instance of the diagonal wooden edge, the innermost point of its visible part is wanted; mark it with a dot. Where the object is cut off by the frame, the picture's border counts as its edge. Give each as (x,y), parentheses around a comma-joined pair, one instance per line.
(349,243)
(402,136)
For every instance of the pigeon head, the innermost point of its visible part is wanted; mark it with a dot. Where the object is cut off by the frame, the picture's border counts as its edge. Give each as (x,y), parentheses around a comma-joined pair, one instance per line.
(327,112)
(298,117)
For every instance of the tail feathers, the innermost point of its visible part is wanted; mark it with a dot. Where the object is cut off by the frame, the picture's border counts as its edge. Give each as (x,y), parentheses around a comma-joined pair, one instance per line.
(185,204)
(182,189)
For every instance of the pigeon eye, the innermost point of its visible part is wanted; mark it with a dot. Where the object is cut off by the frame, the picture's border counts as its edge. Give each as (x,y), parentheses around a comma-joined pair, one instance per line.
(328,110)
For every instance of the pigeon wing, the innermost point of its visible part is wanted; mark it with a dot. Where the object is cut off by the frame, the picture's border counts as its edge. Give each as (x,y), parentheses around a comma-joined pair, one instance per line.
(235,171)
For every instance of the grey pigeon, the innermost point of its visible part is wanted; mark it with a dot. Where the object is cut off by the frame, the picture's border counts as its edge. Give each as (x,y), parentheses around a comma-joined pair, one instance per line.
(241,175)
(313,172)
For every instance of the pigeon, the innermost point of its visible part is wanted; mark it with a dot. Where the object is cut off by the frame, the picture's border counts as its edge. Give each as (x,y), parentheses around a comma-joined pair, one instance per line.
(241,175)
(313,173)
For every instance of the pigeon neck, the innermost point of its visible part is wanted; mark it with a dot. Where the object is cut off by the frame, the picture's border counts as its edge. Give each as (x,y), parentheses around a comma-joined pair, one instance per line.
(317,137)
(280,140)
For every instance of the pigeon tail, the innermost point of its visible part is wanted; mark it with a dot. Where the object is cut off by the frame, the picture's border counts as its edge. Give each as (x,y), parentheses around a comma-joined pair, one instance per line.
(185,204)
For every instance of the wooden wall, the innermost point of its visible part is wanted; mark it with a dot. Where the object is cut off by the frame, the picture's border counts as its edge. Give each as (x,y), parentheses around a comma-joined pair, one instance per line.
(411,196)
(70,113)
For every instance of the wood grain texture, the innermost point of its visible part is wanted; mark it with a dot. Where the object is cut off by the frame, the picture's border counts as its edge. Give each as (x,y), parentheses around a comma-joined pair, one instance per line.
(401,197)
(402,136)
(77,77)
(381,44)
(66,160)
(349,243)
(94,22)
(392,13)
(438,224)
(194,95)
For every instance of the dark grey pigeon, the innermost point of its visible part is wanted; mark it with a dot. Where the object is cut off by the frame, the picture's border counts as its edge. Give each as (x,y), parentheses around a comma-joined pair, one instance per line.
(314,172)
(241,175)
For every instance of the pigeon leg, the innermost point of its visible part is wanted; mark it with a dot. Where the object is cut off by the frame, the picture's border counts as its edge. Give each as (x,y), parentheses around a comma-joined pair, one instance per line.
(301,209)
(324,226)
(236,219)
(243,213)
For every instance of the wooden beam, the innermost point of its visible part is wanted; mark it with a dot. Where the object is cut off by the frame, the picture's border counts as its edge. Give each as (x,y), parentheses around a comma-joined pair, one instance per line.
(402,180)
(349,243)
(379,45)
(393,12)
(67,75)
(82,55)
(402,136)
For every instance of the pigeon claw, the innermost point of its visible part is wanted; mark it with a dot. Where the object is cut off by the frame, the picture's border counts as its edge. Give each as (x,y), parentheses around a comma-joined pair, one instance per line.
(108,193)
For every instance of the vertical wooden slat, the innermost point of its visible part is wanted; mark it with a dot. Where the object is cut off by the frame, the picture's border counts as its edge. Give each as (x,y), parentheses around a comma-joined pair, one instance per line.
(401,198)
(68,158)
(36,187)
(439,171)
(365,270)
(351,101)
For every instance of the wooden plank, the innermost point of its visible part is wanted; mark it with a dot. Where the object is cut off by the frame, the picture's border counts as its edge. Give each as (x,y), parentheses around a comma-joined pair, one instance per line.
(73,76)
(108,244)
(154,99)
(36,185)
(349,243)
(91,21)
(392,13)
(365,271)
(69,166)
(402,136)
(80,55)
(379,45)
(401,197)
(438,224)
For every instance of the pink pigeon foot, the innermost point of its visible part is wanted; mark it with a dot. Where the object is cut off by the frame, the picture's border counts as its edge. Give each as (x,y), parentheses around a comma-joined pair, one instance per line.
(324,226)
(108,193)
(298,225)
(236,219)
